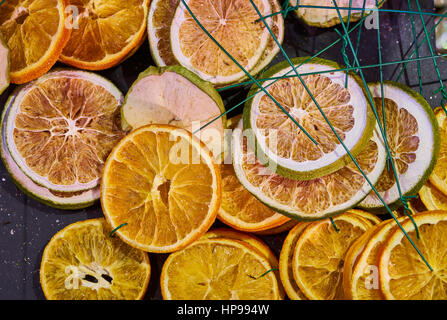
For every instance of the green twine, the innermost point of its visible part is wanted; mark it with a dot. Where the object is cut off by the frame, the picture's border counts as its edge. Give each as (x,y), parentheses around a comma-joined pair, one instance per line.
(286,8)
(266,273)
(334,225)
(117,228)
(345,55)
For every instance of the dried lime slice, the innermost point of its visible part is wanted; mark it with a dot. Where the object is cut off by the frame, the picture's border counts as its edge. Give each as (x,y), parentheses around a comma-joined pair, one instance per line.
(61,127)
(414,141)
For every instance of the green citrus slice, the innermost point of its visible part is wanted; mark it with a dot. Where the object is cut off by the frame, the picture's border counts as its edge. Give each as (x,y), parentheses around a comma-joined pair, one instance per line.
(413,138)
(233,24)
(84,262)
(4,66)
(311,199)
(66,201)
(61,127)
(328,17)
(281,141)
(174,95)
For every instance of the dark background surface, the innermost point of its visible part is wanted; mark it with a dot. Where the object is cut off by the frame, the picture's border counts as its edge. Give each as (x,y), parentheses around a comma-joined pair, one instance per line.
(26,225)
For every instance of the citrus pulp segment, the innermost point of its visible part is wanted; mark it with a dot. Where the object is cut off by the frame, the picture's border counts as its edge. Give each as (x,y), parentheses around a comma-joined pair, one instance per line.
(4,66)
(286,260)
(35,33)
(83,262)
(413,139)
(439,175)
(218,269)
(279,140)
(105,33)
(432,198)
(403,273)
(59,200)
(328,17)
(233,24)
(176,96)
(320,254)
(163,183)
(313,199)
(61,127)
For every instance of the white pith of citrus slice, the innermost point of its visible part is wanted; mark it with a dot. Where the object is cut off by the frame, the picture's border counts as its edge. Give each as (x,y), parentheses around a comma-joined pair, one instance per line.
(328,17)
(176,96)
(218,269)
(403,273)
(164,185)
(310,199)
(59,200)
(61,127)
(232,23)
(413,138)
(283,143)
(84,262)
(4,66)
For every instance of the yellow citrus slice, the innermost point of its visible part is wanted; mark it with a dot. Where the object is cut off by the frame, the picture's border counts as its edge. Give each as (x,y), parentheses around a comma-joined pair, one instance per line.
(372,218)
(233,24)
(61,127)
(363,282)
(286,260)
(36,33)
(163,183)
(4,66)
(84,262)
(439,176)
(320,254)
(328,16)
(432,198)
(412,134)
(403,273)
(281,141)
(307,200)
(105,32)
(251,240)
(287,226)
(218,269)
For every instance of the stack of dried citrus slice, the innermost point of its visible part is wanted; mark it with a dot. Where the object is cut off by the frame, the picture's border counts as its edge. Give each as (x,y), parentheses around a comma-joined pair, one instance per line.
(177,38)
(222,265)
(57,132)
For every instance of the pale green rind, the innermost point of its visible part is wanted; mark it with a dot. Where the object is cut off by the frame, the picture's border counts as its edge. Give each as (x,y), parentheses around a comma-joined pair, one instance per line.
(37,197)
(339,163)
(201,84)
(2,43)
(381,209)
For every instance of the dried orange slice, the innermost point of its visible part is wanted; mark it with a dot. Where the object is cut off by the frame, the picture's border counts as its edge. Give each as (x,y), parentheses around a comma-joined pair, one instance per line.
(233,24)
(328,16)
(61,127)
(320,254)
(413,138)
(218,269)
(164,185)
(105,33)
(307,200)
(83,262)
(36,33)
(286,260)
(281,142)
(403,274)
(439,176)
(4,66)
(432,198)
(371,218)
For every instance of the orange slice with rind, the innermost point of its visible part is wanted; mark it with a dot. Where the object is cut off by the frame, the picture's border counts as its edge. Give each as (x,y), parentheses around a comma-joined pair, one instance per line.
(36,33)
(439,176)
(233,24)
(432,198)
(312,199)
(218,269)
(61,127)
(403,273)
(83,262)
(4,66)
(413,138)
(105,33)
(164,185)
(283,145)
